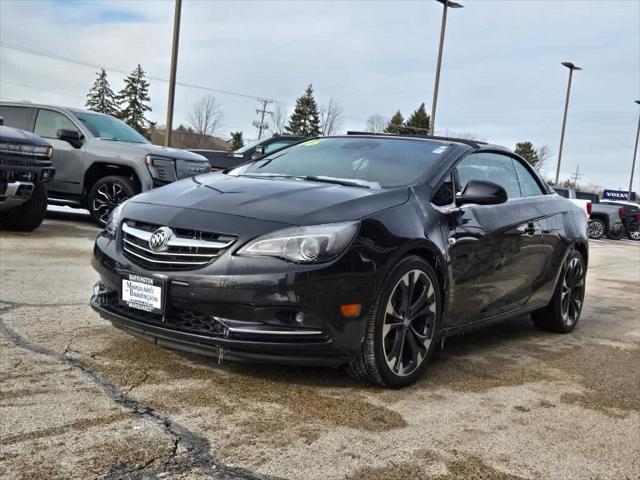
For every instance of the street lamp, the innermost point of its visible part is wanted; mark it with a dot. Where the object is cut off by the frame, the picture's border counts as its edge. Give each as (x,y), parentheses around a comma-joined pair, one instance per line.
(571,68)
(635,152)
(445,5)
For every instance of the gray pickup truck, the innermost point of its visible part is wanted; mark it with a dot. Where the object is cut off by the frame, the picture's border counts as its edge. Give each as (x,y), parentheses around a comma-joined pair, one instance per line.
(604,219)
(100,161)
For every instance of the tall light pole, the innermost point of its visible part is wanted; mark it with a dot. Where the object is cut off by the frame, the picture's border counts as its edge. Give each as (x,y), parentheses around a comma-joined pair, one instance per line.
(571,68)
(445,6)
(635,153)
(172,75)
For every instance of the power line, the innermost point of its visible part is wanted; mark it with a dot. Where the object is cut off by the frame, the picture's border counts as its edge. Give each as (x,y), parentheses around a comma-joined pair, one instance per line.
(83,63)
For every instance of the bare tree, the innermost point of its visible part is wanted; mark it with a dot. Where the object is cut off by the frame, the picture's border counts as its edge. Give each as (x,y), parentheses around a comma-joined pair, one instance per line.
(543,155)
(330,117)
(376,123)
(461,135)
(205,118)
(278,120)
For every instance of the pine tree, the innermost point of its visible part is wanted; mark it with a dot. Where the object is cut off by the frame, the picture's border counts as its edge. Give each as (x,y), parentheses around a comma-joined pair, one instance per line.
(132,100)
(305,119)
(101,98)
(419,121)
(236,140)
(526,151)
(395,124)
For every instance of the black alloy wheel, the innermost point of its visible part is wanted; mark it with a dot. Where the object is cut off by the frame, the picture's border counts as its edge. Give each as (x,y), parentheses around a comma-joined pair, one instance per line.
(402,327)
(409,320)
(563,312)
(106,194)
(572,294)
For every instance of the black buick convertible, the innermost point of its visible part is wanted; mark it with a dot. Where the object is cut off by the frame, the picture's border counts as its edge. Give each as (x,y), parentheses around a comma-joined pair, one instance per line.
(361,251)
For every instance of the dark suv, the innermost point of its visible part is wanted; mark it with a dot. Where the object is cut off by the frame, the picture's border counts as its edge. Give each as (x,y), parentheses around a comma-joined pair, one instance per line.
(363,251)
(25,166)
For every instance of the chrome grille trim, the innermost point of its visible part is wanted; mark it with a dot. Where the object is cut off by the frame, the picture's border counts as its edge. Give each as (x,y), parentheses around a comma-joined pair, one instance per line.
(177,241)
(186,250)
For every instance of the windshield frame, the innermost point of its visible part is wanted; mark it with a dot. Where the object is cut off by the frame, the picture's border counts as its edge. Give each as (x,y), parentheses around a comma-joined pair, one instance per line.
(77,116)
(453,151)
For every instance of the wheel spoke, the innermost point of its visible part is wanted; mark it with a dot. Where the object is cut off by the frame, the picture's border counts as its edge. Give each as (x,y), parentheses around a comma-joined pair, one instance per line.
(389,327)
(414,349)
(399,348)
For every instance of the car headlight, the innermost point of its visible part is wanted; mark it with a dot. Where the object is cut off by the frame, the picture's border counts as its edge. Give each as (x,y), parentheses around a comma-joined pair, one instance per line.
(318,243)
(161,168)
(114,219)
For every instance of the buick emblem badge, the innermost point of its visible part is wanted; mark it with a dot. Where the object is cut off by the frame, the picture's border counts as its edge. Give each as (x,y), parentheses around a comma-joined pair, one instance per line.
(158,242)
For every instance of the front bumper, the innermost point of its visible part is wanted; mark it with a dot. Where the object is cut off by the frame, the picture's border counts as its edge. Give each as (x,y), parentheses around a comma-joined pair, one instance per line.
(231,311)
(15,193)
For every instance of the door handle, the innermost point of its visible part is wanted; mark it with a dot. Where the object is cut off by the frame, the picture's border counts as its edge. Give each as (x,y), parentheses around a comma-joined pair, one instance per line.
(530,229)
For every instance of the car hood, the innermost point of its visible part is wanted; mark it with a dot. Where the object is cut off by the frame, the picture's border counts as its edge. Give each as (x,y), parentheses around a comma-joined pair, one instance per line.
(14,135)
(140,150)
(294,202)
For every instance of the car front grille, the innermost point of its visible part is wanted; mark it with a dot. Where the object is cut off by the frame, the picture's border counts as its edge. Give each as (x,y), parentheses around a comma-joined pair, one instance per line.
(185,249)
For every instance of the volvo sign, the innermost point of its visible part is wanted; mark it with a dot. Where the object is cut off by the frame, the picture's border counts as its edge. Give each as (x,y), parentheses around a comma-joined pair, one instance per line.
(618,195)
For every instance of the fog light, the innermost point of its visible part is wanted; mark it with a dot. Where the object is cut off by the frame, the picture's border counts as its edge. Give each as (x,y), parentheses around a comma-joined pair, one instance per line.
(299,318)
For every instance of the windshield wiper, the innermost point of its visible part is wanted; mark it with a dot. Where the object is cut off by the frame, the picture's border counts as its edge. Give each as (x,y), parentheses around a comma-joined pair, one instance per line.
(339,181)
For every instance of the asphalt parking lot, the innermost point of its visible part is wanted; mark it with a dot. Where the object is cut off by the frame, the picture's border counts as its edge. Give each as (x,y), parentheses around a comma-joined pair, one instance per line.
(79,399)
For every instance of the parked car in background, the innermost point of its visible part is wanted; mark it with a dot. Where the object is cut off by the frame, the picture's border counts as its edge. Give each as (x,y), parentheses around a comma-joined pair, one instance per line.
(100,161)
(25,167)
(602,219)
(570,194)
(221,159)
(358,251)
(631,218)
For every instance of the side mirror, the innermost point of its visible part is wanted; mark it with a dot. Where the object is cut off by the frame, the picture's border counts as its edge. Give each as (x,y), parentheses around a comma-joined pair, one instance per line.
(258,152)
(482,192)
(73,137)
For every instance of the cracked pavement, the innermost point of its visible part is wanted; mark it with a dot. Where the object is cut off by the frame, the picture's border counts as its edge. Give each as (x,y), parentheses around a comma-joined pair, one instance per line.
(80,399)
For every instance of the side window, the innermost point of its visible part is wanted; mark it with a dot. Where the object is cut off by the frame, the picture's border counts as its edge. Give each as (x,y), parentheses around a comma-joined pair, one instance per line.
(444,195)
(528,185)
(49,122)
(17,117)
(491,167)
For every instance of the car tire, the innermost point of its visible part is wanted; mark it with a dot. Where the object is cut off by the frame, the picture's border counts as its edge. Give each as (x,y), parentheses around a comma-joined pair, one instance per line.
(634,234)
(29,215)
(106,194)
(563,312)
(617,235)
(597,229)
(392,327)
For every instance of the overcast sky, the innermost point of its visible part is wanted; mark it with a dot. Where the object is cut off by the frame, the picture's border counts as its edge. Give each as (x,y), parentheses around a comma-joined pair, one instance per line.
(501,79)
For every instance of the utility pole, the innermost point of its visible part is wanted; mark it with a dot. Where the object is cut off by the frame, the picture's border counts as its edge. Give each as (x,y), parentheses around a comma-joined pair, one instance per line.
(635,153)
(571,68)
(576,177)
(260,125)
(172,77)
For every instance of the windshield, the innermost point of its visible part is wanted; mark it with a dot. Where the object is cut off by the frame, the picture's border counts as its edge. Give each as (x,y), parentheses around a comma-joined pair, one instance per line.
(380,162)
(109,128)
(246,148)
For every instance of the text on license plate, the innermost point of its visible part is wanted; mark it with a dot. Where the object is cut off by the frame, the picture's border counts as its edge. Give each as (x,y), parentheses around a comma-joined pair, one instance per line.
(142,293)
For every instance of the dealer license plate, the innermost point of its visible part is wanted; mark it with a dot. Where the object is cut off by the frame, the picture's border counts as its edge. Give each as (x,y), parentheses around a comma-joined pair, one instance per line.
(143,293)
